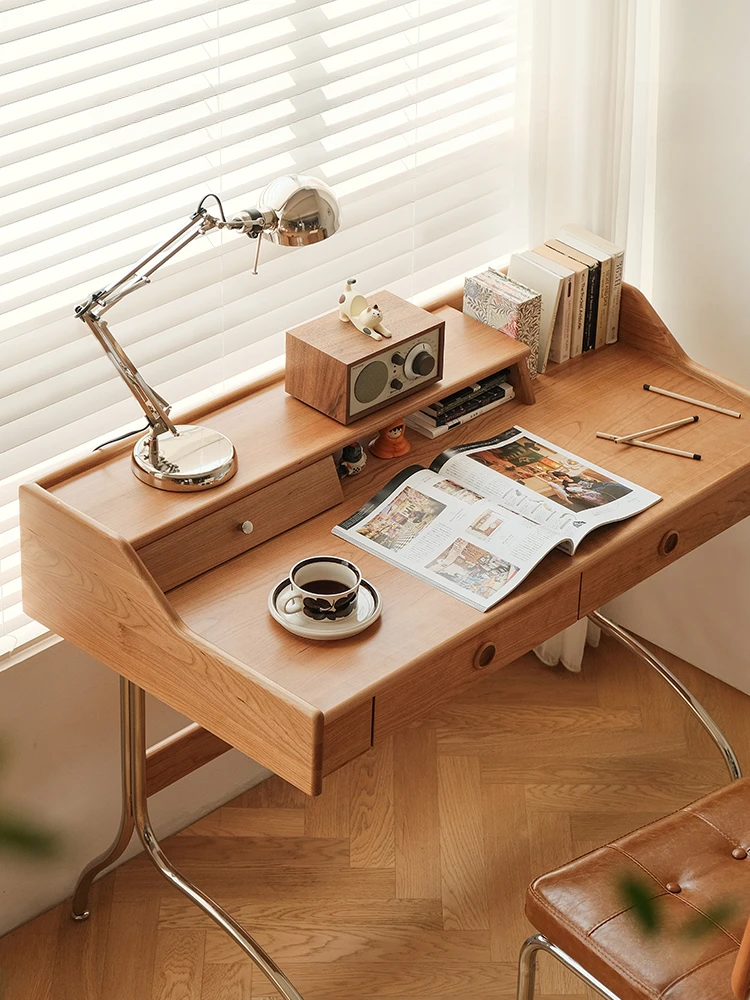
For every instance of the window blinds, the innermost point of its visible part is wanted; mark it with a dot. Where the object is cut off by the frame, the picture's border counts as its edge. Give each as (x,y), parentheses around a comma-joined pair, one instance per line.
(119,115)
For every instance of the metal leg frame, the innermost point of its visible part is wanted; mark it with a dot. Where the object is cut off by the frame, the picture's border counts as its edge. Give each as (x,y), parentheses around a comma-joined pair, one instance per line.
(80,905)
(527,968)
(135,814)
(631,643)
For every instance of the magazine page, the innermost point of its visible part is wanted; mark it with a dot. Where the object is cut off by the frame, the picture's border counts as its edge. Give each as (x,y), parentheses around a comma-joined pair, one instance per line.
(450,536)
(547,484)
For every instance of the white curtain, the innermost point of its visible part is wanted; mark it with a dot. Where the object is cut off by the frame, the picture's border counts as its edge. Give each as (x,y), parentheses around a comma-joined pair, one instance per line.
(588,78)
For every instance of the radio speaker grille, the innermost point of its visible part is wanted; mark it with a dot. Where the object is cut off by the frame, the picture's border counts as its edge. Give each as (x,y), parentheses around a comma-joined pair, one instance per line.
(370,382)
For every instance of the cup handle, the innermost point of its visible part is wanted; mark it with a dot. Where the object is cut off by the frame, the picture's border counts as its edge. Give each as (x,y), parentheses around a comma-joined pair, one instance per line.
(292,605)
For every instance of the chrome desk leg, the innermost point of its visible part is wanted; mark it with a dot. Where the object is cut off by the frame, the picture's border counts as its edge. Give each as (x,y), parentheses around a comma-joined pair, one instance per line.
(80,906)
(527,968)
(629,641)
(137,718)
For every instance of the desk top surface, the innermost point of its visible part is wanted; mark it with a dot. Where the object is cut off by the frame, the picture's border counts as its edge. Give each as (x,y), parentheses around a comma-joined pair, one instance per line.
(599,392)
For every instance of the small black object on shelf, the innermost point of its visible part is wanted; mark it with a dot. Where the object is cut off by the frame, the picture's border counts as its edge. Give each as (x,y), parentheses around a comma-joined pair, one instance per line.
(353,460)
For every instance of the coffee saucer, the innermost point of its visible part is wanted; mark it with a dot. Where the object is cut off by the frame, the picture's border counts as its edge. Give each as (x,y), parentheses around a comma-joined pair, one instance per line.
(367,611)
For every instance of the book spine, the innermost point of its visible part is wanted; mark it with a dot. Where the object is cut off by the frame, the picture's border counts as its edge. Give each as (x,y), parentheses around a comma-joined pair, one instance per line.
(559,350)
(603,317)
(529,331)
(470,392)
(615,294)
(592,308)
(426,427)
(580,288)
(555,344)
(483,399)
(506,397)
(569,306)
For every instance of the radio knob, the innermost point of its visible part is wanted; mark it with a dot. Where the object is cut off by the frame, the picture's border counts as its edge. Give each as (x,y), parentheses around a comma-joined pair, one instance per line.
(395,384)
(423,363)
(420,361)
(398,359)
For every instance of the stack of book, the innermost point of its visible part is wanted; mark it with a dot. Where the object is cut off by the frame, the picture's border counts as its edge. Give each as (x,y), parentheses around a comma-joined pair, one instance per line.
(575,282)
(461,406)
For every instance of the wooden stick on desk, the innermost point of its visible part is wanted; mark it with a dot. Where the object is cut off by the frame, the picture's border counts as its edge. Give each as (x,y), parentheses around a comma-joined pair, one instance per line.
(653,447)
(689,399)
(654,430)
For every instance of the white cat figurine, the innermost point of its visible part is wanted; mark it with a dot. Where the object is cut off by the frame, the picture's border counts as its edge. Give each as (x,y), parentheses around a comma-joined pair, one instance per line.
(353,308)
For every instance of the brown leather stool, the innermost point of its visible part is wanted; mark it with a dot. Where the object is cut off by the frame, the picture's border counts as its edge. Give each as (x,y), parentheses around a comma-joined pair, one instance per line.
(693,859)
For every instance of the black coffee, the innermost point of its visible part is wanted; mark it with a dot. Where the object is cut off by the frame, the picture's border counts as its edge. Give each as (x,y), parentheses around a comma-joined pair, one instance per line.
(324,587)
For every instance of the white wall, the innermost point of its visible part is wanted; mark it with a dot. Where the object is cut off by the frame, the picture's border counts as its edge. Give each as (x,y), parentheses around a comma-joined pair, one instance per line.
(697,608)
(59,726)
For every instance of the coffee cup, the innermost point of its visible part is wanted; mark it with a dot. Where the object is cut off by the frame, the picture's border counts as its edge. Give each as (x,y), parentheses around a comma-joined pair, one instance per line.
(323,588)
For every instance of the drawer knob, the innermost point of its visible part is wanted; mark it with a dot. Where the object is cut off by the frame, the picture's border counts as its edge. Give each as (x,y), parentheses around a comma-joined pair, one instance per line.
(484,655)
(247,527)
(669,543)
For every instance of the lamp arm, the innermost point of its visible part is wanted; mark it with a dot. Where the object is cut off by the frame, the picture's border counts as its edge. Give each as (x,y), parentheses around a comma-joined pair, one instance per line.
(153,405)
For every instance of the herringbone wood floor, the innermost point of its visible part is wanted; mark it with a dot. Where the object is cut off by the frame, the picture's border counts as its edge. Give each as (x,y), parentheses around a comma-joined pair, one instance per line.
(406,877)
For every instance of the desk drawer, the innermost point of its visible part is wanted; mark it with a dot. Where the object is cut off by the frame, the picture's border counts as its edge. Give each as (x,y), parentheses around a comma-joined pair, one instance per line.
(639,554)
(219,536)
(514,628)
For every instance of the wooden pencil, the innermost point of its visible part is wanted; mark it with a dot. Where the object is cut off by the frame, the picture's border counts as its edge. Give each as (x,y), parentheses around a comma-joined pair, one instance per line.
(689,399)
(653,447)
(655,430)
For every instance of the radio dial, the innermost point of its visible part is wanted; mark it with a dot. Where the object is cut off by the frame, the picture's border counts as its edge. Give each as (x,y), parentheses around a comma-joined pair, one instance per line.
(423,363)
(397,384)
(398,359)
(420,361)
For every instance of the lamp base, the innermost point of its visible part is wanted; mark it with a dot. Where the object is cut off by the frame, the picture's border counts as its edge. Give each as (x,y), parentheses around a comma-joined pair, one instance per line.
(198,458)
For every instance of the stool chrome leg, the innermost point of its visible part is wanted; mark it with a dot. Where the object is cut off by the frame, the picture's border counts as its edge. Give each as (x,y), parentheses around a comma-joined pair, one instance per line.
(527,968)
(631,643)
(137,718)
(80,905)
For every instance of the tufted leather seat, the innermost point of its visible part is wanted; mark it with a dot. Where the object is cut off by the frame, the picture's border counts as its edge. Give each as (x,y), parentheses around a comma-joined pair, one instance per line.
(694,859)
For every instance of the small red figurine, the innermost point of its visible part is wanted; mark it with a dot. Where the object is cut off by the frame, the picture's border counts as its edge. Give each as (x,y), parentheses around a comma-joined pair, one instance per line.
(391,442)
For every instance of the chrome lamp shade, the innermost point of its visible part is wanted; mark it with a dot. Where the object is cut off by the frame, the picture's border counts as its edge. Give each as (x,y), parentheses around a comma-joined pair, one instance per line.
(293,211)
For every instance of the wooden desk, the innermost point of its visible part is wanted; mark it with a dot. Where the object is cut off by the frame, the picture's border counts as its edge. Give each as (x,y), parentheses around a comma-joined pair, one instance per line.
(208,646)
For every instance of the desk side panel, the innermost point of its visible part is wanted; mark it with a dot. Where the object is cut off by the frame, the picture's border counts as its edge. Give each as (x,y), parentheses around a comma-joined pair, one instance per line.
(641,327)
(89,586)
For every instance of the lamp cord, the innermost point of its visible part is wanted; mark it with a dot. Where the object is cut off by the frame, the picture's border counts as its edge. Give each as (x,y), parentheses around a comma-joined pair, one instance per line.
(217,199)
(121,437)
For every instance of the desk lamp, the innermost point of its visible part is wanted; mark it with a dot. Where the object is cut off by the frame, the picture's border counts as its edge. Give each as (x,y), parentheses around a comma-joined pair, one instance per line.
(293,211)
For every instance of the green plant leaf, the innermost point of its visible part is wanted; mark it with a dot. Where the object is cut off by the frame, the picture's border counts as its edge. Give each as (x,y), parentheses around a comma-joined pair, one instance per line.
(707,923)
(638,895)
(23,837)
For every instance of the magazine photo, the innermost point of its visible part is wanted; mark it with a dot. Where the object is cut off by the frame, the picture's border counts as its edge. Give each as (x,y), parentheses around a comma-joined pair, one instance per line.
(478,521)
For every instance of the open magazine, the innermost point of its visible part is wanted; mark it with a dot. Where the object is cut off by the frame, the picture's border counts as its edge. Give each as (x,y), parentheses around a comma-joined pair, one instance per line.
(483,515)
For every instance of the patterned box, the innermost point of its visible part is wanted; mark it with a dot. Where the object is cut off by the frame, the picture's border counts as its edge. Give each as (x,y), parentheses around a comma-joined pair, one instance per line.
(506,305)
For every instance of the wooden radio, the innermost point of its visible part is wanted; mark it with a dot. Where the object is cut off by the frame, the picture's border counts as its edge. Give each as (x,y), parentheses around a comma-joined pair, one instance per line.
(337,369)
